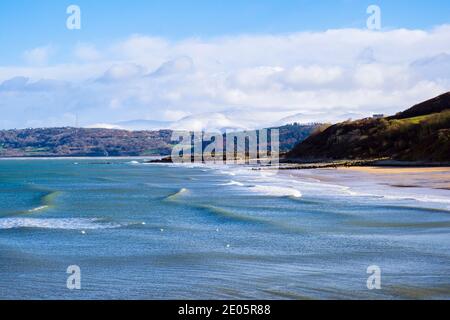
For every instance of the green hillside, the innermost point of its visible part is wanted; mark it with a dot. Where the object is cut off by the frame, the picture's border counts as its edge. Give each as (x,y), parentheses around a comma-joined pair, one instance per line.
(76,142)
(421,133)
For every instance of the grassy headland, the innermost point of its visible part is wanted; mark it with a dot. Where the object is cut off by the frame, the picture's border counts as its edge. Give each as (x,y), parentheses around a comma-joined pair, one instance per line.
(421,134)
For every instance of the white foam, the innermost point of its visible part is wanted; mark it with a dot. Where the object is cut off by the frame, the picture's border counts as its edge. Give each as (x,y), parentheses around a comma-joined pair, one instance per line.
(228,173)
(419,198)
(276,191)
(64,224)
(268,183)
(233,183)
(179,193)
(38,209)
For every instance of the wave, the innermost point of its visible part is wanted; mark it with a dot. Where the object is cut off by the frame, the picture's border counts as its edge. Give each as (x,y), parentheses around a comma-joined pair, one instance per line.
(227,173)
(276,191)
(55,223)
(177,194)
(419,198)
(49,198)
(398,197)
(46,202)
(438,291)
(223,213)
(237,217)
(414,208)
(382,224)
(272,185)
(40,208)
(233,183)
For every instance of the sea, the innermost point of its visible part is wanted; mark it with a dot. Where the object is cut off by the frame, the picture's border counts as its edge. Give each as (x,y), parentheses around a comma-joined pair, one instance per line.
(134,230)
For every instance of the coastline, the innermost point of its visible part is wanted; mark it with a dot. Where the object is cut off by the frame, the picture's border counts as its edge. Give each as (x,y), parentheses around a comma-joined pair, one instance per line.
(397,174)
(406,180)
(409,177)
(286,164)
(83,158)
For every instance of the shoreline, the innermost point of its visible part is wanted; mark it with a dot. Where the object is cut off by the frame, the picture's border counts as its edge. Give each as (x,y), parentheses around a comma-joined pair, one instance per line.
(284,164)
(409,177)
(81,158)
(399,178)
(299,165)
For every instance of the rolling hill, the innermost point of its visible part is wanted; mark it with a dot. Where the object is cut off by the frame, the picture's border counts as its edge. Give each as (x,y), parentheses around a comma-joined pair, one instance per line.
(420,133)
(77,142)
(89,142)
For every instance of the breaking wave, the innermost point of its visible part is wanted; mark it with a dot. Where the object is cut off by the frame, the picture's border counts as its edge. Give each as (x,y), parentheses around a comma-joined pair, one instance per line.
(233,183)
(276,191)
(177,194)
(40,208)
(55,223)
(46,202)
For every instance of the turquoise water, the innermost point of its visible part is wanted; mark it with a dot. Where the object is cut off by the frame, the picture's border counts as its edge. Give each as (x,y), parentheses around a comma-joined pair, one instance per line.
(140,231)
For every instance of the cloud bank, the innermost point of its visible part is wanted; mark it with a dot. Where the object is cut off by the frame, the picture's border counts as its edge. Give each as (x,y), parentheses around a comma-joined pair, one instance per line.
(244,81)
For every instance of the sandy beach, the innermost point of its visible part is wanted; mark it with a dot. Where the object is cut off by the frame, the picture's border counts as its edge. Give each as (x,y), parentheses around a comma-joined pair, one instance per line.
(408,177)
(435,178)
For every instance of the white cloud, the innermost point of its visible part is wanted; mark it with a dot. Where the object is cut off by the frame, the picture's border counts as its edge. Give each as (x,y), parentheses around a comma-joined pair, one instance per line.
(235,81)
(87,52)
(105,126)
(208,121)
(176,66)
(125,71)
(140,48)
(312,75)
(38,56)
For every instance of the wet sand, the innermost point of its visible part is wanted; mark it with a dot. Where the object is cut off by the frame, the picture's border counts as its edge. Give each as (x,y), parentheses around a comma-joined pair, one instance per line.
(435,178)
(408,177)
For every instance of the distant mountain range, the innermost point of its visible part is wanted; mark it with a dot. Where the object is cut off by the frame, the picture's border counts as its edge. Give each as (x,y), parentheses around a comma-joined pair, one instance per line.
(217,122)
(96,142)
(421,133)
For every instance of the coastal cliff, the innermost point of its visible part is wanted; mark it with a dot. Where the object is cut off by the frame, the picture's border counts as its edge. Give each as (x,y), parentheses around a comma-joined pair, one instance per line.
(421,133)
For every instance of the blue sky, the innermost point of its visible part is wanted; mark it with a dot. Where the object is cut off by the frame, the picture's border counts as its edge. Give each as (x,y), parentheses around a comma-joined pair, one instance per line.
(26,24)
(211,64)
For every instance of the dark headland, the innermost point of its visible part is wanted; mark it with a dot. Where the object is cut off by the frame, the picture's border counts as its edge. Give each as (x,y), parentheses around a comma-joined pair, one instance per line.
(417,136)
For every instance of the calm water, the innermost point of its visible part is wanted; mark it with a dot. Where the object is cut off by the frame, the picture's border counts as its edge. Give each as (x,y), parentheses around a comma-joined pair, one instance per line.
(168,232)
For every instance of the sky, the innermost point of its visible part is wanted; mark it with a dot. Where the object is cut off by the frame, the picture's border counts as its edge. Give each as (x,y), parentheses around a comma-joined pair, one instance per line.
(213,64)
